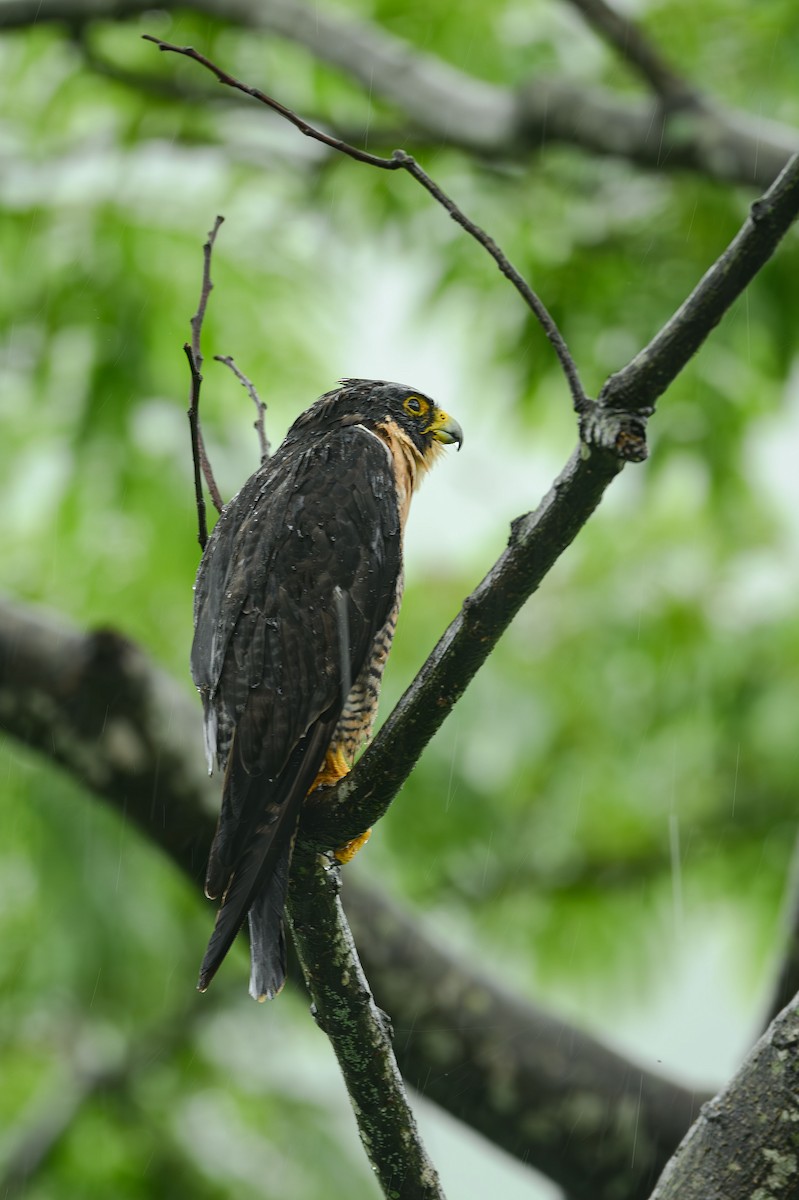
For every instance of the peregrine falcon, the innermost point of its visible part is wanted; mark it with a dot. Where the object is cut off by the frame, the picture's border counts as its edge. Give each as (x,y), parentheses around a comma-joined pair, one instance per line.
(296,603)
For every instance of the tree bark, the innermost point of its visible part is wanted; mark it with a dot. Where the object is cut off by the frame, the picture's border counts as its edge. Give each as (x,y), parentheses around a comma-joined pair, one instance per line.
(360,1034)
(744,1145)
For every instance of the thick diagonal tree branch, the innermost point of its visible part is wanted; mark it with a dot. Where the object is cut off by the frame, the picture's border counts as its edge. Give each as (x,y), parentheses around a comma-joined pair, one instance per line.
(96,706)
(539,538)
(456,109)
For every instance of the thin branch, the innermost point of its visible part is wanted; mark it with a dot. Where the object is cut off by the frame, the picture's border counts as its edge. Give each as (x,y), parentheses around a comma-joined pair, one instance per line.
(633,45)
(260,407)
(205,291)
(198,456)
(531,299)
(358,1031)
(402,161)
(202,466)
(98,707)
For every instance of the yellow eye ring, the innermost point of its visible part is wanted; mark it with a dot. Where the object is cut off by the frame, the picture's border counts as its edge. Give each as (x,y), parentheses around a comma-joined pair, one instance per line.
(414,405)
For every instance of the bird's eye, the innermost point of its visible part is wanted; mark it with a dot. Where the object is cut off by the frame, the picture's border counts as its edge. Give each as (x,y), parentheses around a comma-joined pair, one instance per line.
(415,406)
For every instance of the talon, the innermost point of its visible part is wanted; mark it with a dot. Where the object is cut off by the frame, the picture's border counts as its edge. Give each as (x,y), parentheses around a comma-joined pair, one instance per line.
(334,767)
(347,852)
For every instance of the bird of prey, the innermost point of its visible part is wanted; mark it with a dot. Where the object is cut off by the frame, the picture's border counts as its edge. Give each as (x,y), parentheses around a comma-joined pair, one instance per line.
(296,603)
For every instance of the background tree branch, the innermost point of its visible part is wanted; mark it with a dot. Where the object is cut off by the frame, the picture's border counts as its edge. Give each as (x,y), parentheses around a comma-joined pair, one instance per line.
(480,118)
(630,42)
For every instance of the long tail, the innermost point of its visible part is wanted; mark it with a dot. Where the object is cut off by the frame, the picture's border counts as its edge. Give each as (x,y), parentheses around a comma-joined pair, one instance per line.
(267,936)
(259,878)
(253,882)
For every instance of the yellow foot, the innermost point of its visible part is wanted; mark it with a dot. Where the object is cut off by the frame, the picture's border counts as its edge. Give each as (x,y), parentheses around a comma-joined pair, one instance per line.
(334,767)
(348,851)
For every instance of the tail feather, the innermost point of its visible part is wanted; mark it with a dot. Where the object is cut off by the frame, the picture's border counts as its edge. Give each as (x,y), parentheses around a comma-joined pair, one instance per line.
(254,873)
(267,936)
(260,876)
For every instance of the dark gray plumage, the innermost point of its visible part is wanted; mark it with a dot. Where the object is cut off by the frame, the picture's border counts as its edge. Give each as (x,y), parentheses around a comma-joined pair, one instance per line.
(295,606)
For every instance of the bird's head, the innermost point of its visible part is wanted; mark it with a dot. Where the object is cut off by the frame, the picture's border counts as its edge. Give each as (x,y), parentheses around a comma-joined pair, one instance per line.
(379,406)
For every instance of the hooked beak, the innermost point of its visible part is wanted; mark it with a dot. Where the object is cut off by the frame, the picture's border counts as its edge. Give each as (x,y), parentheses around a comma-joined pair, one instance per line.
(445,428)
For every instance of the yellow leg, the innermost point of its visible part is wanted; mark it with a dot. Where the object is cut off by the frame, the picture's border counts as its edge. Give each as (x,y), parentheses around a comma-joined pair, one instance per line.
(334,767)
(348,851)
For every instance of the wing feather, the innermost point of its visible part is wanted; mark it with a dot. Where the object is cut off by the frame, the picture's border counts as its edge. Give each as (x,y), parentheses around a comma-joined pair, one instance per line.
(315,530)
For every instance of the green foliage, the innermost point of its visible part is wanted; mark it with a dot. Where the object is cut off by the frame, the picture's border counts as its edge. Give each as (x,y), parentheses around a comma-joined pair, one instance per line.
(638,717)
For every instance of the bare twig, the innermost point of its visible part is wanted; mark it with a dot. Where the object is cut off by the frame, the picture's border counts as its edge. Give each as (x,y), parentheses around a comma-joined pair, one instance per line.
(205,291)
(260,407)
(202,467)
(198,455)
(359,1032)
(531,299)
(642,55)
(402,161)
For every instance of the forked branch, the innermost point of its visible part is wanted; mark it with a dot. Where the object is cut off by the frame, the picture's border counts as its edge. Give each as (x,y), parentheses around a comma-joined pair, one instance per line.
(259,424)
